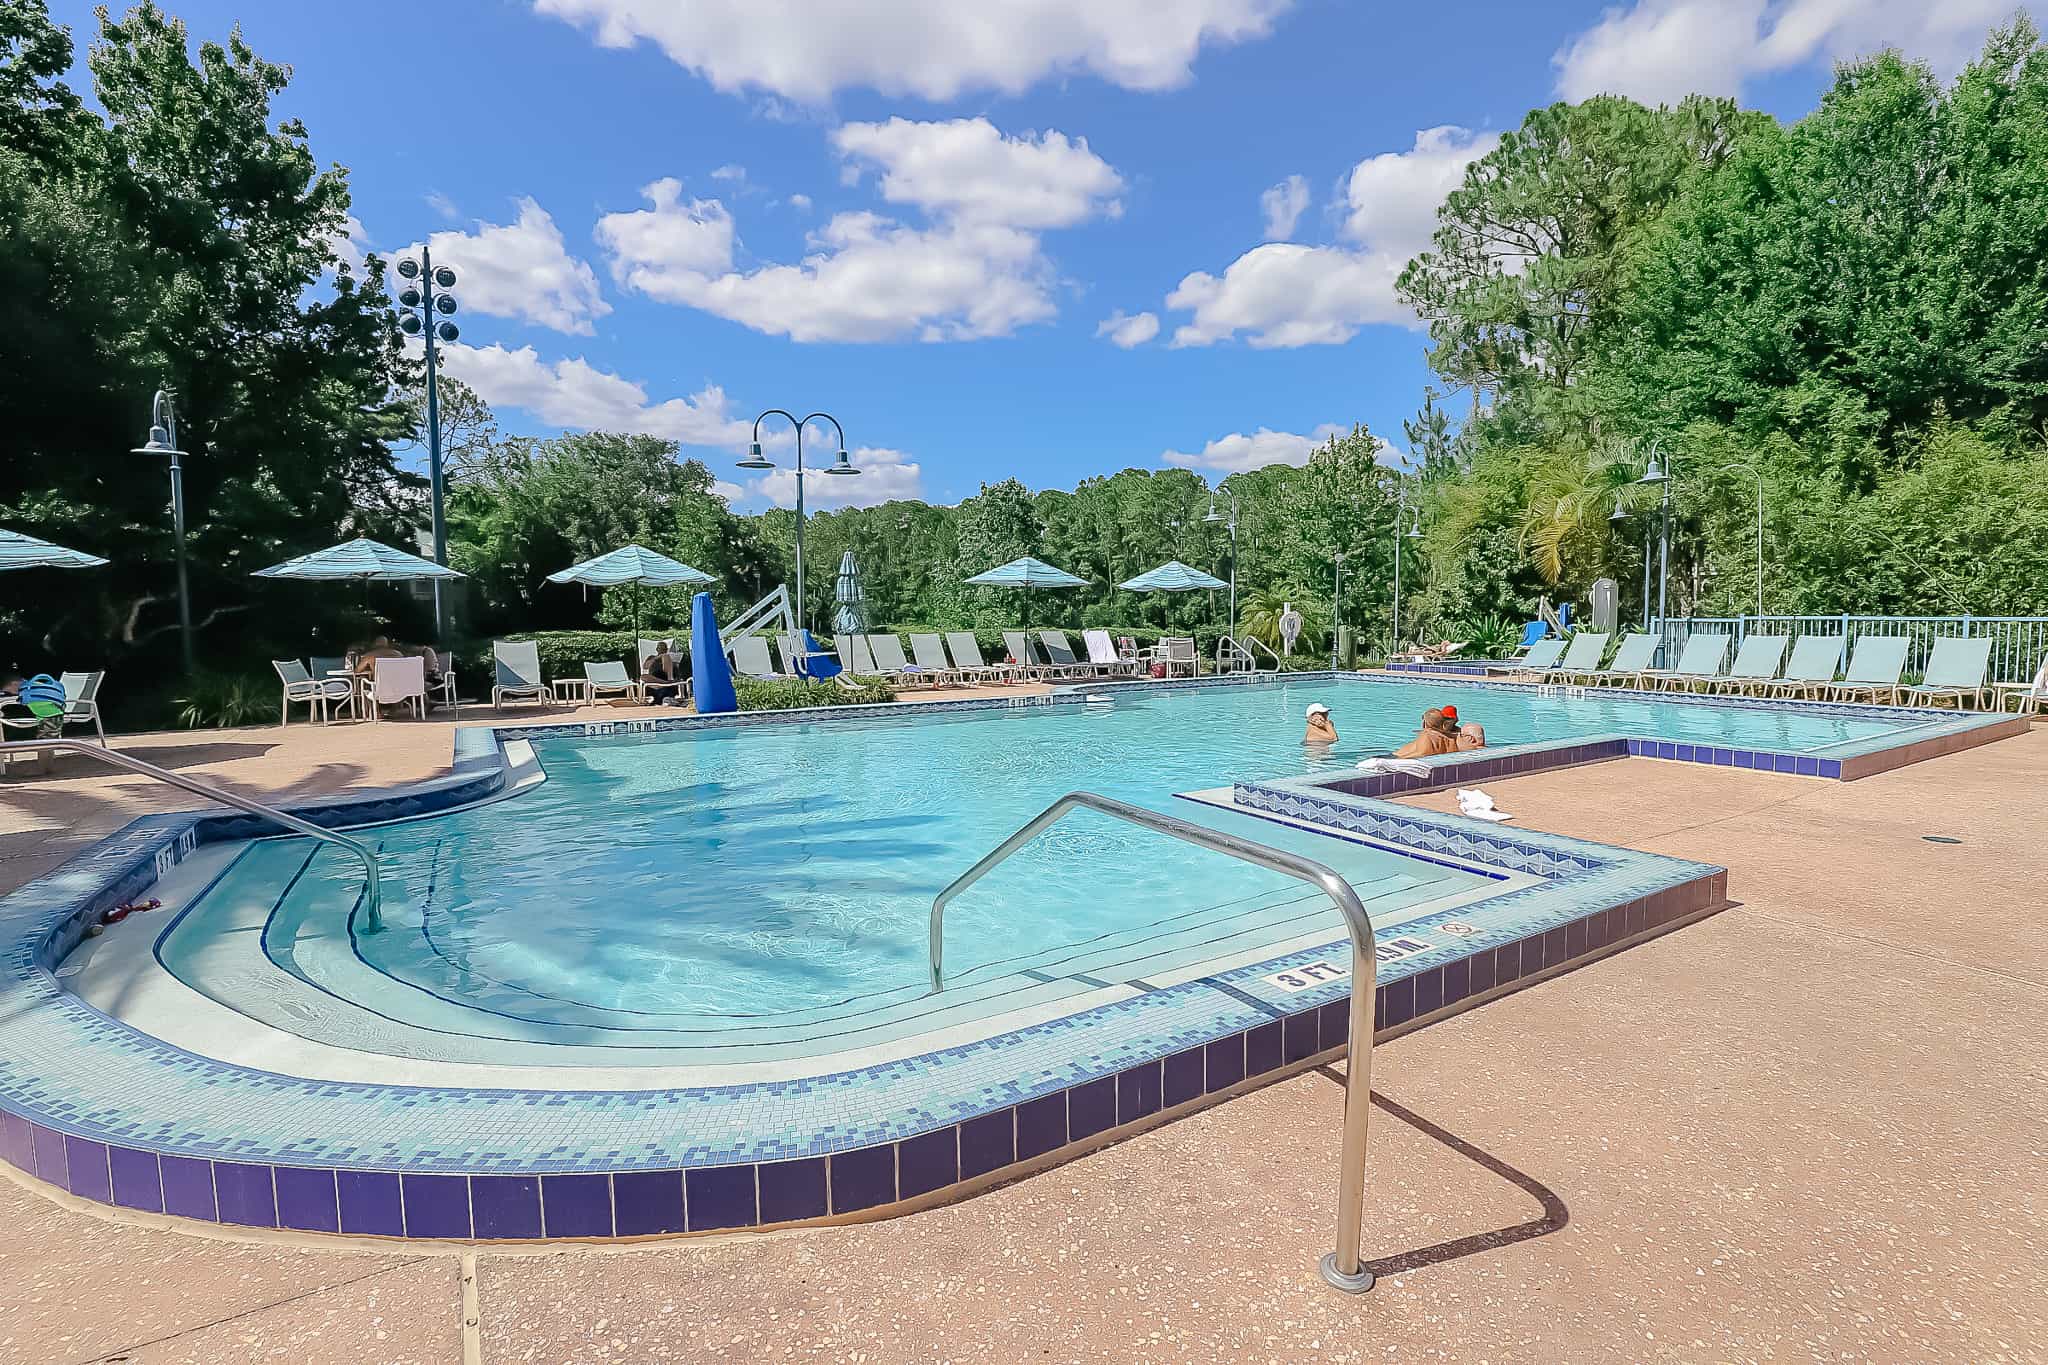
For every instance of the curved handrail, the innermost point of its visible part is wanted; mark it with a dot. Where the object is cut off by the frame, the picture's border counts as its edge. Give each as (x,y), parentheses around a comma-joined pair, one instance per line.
(1341,1268)
(373,891)
(1239,646)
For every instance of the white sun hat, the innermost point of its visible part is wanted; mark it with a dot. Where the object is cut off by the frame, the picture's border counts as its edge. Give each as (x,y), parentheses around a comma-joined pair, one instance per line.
(1317,708)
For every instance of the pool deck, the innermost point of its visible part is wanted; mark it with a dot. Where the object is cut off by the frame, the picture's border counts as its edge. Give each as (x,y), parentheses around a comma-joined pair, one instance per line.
(1809,1125)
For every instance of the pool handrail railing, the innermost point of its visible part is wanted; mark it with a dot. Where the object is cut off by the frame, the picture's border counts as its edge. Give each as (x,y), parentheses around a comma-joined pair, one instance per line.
(1340,1268)
(373,890)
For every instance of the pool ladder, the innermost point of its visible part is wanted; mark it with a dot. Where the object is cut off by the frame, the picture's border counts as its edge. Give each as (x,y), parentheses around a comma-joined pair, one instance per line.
(1341,1268)
(372,884)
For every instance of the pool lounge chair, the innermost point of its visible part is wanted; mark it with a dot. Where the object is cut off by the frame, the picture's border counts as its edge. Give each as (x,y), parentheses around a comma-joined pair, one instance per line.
(1704,659)
(82,702)
(518,664)
(1875,663)
(1060,654)
(891,662)
(930,654)
(1756,664)
(750,659)
(1102,653)
(1178,652)
(610,679)
(1542,655)
(1815,659)
(1631,656)
(398,682)
(856,660)
(1581,656)
(968,663)
(1023,656)
(314,693)
(1955,672)
(2026,697)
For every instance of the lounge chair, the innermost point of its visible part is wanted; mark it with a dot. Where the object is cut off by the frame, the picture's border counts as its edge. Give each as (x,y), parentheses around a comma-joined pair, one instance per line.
(750,658)
(1756,664)
(82,702)
(610,679)
(1704,658)
(1631,657)
(2026,697)
(1541,656)
(1875,663)
(856,660)
(302,686)
(1023,656)
(968,663)
(1955,672)
(1178,652)
(1060,655)
(797,656)
(930,652)
(398,682)
(1815,659)
(891,663)
(1581,657)
(518,665)
(1102,653)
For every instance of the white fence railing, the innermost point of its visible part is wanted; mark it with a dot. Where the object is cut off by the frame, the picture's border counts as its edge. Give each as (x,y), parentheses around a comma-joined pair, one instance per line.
(2017,642)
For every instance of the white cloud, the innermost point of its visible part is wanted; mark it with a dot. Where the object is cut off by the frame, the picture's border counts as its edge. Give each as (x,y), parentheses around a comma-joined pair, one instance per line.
(1287,294)
(522,270)
(1659,51)
(800,202)
(1238,452)
(1127,332)
(976,271)
(349,244)
(574,393)
(730,173)
(885,476)
(935,49)
(1282,206)
(967,171)
(443,205)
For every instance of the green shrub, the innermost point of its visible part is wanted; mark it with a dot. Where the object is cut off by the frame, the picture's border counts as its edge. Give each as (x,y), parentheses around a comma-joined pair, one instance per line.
(213,701)
(756,694)
(1487,637)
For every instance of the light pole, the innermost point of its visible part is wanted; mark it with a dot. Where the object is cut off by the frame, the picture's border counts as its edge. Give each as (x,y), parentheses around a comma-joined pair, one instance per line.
(1756,474)
(756,460)
(425,294)
(163,440)
(1661,474)
(1414,532)
(1212,518)
(1336,606)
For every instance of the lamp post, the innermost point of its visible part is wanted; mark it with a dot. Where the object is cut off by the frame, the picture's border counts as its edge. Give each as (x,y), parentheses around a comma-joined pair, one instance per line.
(1661,474)
(425,294)
(163,440)
(1212,518)
(756,460)
(1336,606)
(1756,474)
(1414,532)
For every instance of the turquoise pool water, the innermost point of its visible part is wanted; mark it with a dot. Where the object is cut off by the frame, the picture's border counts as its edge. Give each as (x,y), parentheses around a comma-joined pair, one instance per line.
(657,884)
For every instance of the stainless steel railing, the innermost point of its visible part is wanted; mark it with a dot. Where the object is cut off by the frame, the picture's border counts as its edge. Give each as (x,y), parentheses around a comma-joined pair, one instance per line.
(1341,1268)
(373,891)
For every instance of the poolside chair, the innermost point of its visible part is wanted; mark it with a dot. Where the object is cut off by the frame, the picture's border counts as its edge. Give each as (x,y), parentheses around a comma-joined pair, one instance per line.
(398,682)
(1875,663)
(1059,652)
(1704,658)
(518,665)
(1955,672)
(2027,697)
(1631,657)
(1815,659)
(1756,664)
(855,658)
(968,663)
(750,658)
(1024,657)
(930,653)
(302,686)
(82,702)
(892,664)
(1581,657)
(1102,653)
(609,678)
(1542,655)
(1178,652)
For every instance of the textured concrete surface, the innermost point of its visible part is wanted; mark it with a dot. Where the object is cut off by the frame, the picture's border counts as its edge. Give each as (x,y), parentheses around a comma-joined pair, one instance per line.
(1809,1127)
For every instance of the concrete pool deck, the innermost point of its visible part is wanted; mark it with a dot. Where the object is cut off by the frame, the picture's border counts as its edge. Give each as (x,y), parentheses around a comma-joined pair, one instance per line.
(1809,1125)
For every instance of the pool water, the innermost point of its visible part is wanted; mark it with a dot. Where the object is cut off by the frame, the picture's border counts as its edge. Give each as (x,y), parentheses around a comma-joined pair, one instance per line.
(657,883)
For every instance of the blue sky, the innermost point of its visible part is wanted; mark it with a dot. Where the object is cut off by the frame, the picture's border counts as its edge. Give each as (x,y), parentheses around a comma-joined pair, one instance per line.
(1031,238)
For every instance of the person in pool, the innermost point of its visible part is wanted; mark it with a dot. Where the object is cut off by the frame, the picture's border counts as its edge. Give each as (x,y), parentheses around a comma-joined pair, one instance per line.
(1432,739)
(1320,730)
(1472,736)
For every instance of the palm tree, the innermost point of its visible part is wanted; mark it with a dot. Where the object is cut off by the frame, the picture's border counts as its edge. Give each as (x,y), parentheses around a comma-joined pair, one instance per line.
(1572,495)
(1259,617)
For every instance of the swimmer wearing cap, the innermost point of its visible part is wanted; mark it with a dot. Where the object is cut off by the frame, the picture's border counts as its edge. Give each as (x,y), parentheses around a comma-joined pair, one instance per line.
(1320,731)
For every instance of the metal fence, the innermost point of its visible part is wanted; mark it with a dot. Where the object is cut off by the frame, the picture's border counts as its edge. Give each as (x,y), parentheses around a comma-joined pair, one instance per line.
(2018,643)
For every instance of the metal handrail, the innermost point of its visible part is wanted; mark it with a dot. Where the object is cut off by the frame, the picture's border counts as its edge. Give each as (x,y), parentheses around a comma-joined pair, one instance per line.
(373,892)
(1340,1268)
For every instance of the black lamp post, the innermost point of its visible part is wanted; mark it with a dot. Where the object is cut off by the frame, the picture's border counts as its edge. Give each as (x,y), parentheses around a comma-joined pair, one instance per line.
(163,440)
(426,294)
(756,460)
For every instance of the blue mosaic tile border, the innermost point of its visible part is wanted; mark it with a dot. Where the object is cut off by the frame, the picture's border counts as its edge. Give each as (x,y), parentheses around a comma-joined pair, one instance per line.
(952,1116)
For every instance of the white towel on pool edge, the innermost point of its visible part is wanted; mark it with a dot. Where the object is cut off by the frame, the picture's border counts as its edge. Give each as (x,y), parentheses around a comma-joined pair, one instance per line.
(1479,806)
(1410,766)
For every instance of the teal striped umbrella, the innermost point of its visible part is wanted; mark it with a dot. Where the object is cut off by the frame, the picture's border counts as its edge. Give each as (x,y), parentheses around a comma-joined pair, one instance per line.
(1027,573)
(18,551)
(365,561)
(635,564)
(1173,576)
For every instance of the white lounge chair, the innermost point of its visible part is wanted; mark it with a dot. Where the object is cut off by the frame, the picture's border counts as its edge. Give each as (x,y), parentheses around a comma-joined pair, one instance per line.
(518,665)
(1103,654)
(314,693)
(1876,663)
(750,658)
(1955,672)
(968,663)
(82,702)
(609,678)
(2026,697)
(930,653)
(1815,660)
(855,658)
(1178,652)
(893,664)
(1541,657)
(1756,664)
(1704,658)
(1060,655)
(1631,657)
(1581,657)
(398,682)
(1024,656)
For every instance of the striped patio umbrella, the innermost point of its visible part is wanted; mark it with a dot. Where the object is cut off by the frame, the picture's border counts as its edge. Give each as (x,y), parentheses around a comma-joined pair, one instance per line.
(360,560)
(1173,576)
(635,564)
(850,614)
(1027,573)
(18,551)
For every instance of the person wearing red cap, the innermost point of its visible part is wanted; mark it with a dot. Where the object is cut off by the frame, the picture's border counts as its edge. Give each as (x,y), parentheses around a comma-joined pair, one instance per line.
(1431,740)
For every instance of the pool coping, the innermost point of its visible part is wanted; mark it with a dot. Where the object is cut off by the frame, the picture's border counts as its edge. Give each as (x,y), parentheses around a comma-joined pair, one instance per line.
(1154,1061)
